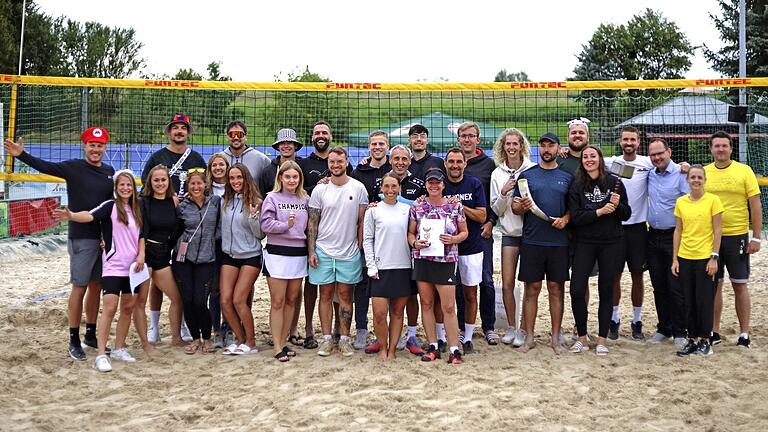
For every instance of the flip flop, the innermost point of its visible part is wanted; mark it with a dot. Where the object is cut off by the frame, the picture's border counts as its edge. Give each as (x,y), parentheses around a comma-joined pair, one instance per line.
(191,348)
(310,342)
(289,352)
(296,340)
(208,348)
(244,349)
(579,347)
(282,357)
(230,350)
(601,350)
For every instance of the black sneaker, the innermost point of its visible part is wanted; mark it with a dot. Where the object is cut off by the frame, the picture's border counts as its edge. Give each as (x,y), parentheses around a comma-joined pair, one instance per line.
(432,354)
(613,330)
(91,341)
(715,338)
(704,348)
(442,345)
(743,342)
(689,348)
(76,352)
(637,330)
(467,347)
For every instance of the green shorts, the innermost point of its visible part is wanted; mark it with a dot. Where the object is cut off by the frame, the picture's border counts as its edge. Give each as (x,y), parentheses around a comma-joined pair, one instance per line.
(330,270)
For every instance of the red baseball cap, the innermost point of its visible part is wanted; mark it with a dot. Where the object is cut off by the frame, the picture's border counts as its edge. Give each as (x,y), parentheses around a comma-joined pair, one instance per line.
(95,134)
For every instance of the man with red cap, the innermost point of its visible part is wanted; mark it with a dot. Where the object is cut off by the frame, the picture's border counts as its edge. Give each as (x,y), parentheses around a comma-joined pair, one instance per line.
(179,159)
(89,183)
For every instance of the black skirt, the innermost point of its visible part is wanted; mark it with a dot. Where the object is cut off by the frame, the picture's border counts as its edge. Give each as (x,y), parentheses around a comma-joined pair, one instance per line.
(391,283)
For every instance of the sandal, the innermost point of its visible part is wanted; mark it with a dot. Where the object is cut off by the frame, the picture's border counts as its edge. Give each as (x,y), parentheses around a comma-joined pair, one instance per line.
(491,337)
(282,357)
(244,349)
(296,340)
(579,348)
(310,343)
(208,347)
(230,350)
(601,350)
(289,352)
(192,348)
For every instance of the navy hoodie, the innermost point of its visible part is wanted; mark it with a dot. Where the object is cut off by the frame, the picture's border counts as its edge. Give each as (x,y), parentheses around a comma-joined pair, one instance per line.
(481,166)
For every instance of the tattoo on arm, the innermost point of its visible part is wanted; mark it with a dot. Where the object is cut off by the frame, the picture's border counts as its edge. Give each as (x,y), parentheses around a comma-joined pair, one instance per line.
(313,223)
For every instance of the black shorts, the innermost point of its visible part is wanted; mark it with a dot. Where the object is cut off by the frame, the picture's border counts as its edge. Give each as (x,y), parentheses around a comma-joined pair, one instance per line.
(157,255)
(391,284)
(635,243)
(438,273)
(239,262)
(116,285)
(536,262)
(734,256)
(511,241)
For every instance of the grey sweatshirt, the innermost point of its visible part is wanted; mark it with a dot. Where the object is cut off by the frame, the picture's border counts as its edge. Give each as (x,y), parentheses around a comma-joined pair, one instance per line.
(240,234)
(253,159)
(201,247)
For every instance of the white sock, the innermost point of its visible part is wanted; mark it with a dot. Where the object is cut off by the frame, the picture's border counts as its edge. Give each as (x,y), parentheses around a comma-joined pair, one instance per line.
(411,331)
(615,317)
(344,338)
(434,345)
(441,331)
(637,312)
(468,330)
(328,337)
(154,319)
(454,349)
(744,335)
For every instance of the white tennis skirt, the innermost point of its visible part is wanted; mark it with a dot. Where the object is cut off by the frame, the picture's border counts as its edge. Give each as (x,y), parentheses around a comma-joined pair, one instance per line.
(285,267)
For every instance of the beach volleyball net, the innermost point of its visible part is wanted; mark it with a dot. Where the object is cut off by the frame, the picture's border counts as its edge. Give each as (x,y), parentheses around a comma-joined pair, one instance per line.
(50,113)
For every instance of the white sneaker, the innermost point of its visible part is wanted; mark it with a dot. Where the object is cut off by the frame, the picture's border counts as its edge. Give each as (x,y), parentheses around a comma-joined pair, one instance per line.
(680,342)
(122,354)
(361,339)
(401,343)
(657,338)
(102,364)
(218,341)
(153,335)
(326,347)
(185,335)
(509,336)
(519,340)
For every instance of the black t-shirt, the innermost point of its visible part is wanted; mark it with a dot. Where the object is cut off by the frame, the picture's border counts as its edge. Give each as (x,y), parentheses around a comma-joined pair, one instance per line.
(169,159)
(87,187)
(158,219)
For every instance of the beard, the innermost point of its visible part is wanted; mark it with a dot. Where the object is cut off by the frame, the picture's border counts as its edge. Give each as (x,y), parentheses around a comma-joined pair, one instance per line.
(319,146)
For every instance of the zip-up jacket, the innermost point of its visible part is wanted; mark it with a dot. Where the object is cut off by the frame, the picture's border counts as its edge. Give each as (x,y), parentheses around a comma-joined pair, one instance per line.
(511,224)
(481,166)
(240,234)
(202,247)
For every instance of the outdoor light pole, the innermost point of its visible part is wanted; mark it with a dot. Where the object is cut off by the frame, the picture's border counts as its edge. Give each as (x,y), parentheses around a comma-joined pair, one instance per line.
(21,42)
(743,145)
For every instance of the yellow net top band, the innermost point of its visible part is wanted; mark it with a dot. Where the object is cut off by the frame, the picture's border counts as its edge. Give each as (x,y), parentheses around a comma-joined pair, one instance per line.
(373,86)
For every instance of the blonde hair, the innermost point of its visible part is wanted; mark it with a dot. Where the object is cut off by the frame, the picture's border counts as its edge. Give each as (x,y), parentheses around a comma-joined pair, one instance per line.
(468,125)
(133,201)
(500,156)
(290,165)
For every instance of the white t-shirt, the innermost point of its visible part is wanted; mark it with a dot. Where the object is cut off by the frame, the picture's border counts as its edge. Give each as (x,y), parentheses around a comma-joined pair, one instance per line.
(637,186)
(385,237)
(339,207)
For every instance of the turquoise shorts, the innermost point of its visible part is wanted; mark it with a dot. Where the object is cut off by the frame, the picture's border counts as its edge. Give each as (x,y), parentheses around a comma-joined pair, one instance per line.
(330,270)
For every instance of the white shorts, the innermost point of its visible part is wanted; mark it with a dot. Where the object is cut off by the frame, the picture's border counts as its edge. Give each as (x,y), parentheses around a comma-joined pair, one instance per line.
(285,267)
(471,269)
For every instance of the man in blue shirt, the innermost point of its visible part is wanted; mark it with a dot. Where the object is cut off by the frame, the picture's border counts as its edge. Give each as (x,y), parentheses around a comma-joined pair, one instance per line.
(666,183)
(469,190)
(544,248)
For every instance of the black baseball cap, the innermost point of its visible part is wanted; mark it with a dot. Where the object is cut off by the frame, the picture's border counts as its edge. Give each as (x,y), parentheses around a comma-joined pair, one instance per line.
(549,136)
(434,174)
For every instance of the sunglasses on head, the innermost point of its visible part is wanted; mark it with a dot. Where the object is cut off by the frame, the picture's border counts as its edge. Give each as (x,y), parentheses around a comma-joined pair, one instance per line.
(194,170)
(236,134)
(181,118)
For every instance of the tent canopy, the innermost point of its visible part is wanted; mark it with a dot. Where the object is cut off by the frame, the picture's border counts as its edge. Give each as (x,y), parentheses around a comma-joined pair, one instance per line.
(688,110)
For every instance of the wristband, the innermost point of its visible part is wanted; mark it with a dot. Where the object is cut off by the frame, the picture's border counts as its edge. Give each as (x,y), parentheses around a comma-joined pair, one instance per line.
(714,256)
(756,240)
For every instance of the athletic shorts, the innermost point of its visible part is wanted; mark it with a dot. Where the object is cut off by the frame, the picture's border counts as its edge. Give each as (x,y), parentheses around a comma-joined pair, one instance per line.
(392,283)
(284,267)
(471,269)
(84,261)
(438,273)
(635,243)
(538,262)
(239,262)
(157,255)
(734,256)
(507,241)
(116,285)
(330,270)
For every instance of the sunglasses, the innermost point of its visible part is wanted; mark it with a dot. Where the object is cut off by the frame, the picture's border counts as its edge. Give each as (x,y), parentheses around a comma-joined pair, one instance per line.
(180,118)
(236,134)
(196,170)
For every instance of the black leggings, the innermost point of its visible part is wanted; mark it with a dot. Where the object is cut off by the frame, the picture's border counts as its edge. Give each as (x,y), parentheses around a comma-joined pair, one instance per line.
(609,261)
(699,292)
(194,282)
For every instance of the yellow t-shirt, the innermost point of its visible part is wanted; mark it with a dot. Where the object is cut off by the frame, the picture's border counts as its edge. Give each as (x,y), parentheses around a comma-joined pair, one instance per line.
(734,185)
(698,234)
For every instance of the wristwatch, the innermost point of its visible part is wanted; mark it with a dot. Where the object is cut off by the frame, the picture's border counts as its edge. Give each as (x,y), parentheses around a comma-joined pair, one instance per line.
(715,256)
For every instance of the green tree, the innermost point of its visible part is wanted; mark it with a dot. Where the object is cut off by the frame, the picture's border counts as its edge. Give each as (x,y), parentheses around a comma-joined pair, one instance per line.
(42,55)
(726,59)
(647,47)
(503,76)
(211,106)
(97,51)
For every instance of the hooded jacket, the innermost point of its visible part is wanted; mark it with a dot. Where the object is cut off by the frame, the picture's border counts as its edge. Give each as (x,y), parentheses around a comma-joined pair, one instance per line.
(202,247)
(481,166)
(419,167)
(253,159)
(370,177)
(511,224)
(315,168)
(240,234)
